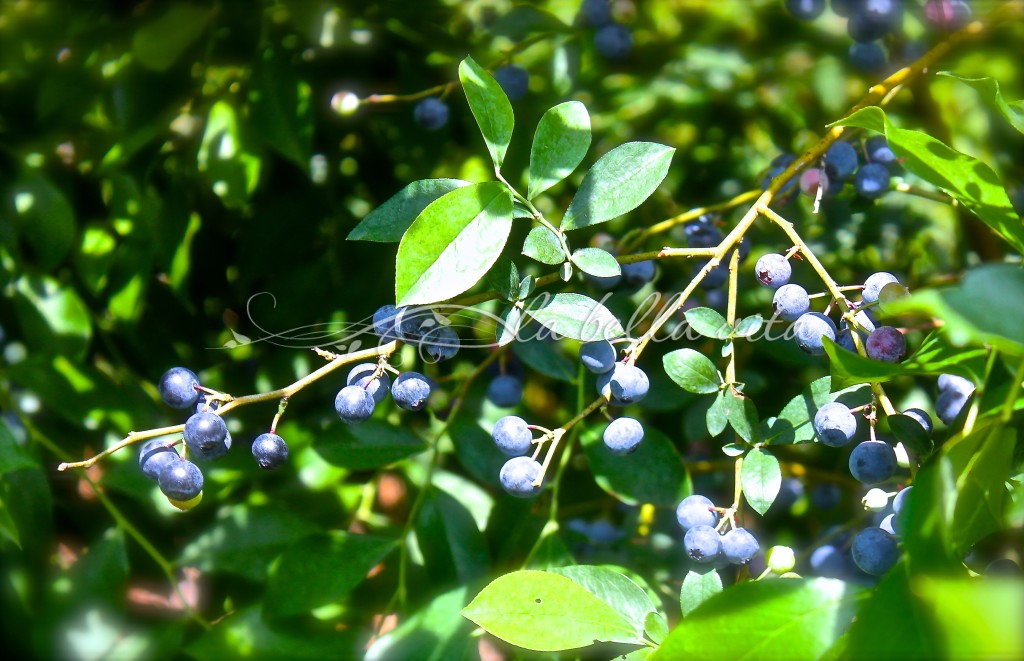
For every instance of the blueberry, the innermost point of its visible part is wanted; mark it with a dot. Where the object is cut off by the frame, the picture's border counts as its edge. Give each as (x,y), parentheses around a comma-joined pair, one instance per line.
(603,283)
(353,404)
(805,10)
(623,435)
(809,330)
(154,456)
(384,323)
(845,340)
(840,161)
(702,543)
(873,285)
(178,388)
(512,436)
(777,167)
(613,41)
(412,323)
(411,391)
(739,546)
(897,501)
(702,235)
(791,302)
(952,382)
(874,551)
(596,13)
(878,151)
(872,462)
(269,450)
(947,14)
(206,436)
(440,343)
(828,561)
(638,274)
(505,391)
(948,405)
(889,524)
(624,384)
(364,376)
(825,495)
(922,419)
(872,181)
(181,480)
(835,424)
(518,475)
(431,113)
(844,7)
(514,81)
(716,277)
(873,19)
(773,270)
(886,344)
(598,357)
(696,511)
(1002,567)
(868,57)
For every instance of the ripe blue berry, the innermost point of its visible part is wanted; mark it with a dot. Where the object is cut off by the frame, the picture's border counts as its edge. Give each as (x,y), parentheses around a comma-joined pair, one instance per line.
(890,525)
(835,424)
(868,57)
(872,462)
(623,436)
(696,510)
(624,384)
(598,357)
(948,405)
(773,270)
(518,475)
(702,544)
(181,480)
(353,404)
(739,546)
(954,383)
(154,456)
(613,41)
(874,284)
(514,81)
(431,113)
(825,495)
(596,13)
(638,274)
(777,166)
(269,450)
(384,322)
(873,19)
(878,151)
(440,343)
(505,391)
(874,551)
(206,436)
(886,344)
(805,10)
(702,235)
(828,561)
(413,322)
(840,161)
(791,302)
(411,391)
(364,376)
(809,330)
(872,181)
(178,388)
(512,436)
(897,501)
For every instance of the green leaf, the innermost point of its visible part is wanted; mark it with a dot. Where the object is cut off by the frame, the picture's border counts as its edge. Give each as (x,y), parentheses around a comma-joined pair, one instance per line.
(526,287)
(230,169)
(692,371)
(619,182)
(524,20)
(43,219)
(893,624)
(970,181)
(698,587)
(450,541)
(280,107)
(547,612)
(52,317)
(717,417)
(795,422)
(542,245)
(549,551)
(372,444)
(656,627)
(911,434)
(544,357)
(452,243)
(504,278)
(988,88)
(981,493)
(245,635)
(596,262)
(438,622)
(510,321)
(618,591)
(708,323)
(742,416)
(490,107)
(574,316)
(561,142)
(798,618)
(748,326)
(653,473)
(977,619)
(13,456)
(761,479)
(388,222)
(158,44)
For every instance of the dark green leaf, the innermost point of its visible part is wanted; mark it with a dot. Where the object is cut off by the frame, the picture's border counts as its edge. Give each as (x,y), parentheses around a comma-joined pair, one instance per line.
(43,218)
(542,245)
(450,541)
(388,222)
(435,632)
(692,371)
(718,414)
(893,624)
(698,587)
(619,182)
(12,455)
(490,107)
(504,278)
(761,479)
(549,551)
(544,357)
(574,316)
(158,44)
(280,106)
(708,323)
(524,20)
(988,88)
(244,634)
(561,142)
(981,493)
(526,287)
(53,318)
(452,243)
(910,433)
(596,262)
(372,444)
(653,473)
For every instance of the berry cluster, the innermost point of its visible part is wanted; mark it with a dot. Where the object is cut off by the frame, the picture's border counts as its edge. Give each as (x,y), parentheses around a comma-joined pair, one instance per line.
(868,167)
(704,543)
(612,40)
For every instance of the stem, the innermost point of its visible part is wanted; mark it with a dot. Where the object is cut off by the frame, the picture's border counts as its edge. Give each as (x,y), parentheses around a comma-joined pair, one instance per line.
(730,314)
(1011,395)
(557,435)
(629,242)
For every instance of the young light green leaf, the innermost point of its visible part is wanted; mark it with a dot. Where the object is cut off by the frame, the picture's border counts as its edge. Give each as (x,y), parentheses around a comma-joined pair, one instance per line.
(491,108)
(692,371)
(970,181)
(452,243)
(748,326)
(388,222)
(988,88)
(656,627)
(547,612)
(561,142)
(698,587)
(761,479)
(618,591)
(653,473)
(542,245)
(708,323)
(619,182)
(574,316)
(596,262)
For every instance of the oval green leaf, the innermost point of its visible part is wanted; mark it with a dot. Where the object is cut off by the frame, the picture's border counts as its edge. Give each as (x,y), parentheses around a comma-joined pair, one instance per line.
(698,587)
(575,316)
(490,107)
(708,323)
(596,262)
(388,222)
(542,245)
(692,371)
(561,142)
(371,444)
(615,589)
(761,478)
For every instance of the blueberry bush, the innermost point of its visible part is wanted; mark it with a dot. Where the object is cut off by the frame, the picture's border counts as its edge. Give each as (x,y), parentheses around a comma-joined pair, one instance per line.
(656,329)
